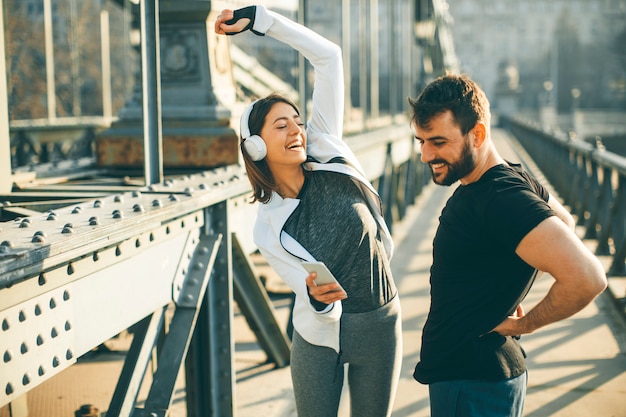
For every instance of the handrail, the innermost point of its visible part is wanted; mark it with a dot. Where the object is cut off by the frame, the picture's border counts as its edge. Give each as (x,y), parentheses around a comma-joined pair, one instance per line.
(591,180)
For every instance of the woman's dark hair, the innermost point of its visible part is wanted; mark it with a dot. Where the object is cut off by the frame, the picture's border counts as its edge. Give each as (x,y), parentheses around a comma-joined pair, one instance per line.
(259,173)
(457,93)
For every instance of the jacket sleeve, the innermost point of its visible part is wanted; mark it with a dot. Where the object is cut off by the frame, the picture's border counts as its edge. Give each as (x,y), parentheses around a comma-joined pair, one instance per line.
(326,119)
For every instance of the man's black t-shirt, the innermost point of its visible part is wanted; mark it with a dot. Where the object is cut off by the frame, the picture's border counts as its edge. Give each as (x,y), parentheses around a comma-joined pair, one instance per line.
(477,280)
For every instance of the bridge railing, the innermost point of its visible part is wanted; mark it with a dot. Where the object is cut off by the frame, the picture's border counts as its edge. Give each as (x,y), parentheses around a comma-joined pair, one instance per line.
(591,181)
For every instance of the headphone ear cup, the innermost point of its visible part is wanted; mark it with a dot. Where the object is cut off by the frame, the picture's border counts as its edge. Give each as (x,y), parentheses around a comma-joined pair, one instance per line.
(255,147)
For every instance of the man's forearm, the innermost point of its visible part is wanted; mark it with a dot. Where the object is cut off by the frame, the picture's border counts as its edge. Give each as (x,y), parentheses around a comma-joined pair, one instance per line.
(561,302)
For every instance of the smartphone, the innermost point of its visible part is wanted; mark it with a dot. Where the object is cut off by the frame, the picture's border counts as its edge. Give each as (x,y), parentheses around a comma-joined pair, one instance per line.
(324,276)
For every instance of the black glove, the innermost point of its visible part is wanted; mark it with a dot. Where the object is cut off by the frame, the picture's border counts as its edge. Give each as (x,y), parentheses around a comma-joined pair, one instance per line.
(246,12)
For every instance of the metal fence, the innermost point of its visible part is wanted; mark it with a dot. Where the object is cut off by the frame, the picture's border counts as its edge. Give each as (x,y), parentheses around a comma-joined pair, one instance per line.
(591,181)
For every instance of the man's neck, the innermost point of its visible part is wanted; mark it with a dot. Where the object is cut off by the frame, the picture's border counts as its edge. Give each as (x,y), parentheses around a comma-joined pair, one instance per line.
(490,160)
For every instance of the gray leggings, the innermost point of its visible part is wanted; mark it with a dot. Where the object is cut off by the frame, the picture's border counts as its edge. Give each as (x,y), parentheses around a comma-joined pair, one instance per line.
(371,345)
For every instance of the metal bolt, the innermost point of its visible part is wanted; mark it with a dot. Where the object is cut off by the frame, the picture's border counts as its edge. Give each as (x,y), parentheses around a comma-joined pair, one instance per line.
(87,410)
(93,221)
(37,239)
(4,249)
(40,233)
(98,203)
(77,210)
(118,199)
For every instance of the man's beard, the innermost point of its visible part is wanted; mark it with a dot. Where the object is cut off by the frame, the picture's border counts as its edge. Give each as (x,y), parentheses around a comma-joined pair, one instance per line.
(457,170)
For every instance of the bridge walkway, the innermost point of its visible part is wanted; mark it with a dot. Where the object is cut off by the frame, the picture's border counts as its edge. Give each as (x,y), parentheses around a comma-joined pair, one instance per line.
(577,367)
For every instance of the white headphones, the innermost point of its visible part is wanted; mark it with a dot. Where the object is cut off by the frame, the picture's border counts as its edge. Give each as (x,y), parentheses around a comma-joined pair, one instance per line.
(254,145)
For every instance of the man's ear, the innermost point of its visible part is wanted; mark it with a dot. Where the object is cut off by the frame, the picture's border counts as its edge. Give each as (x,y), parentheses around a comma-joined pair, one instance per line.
(480,134)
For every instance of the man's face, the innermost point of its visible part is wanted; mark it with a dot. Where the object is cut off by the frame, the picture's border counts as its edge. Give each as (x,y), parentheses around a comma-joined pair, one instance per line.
(448,152)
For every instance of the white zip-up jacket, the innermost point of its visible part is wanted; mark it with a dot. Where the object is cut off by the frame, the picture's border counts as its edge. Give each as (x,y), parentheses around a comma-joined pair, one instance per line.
(326,147)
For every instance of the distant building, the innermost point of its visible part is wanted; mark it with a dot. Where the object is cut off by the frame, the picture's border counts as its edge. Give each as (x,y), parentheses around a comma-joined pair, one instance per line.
(492,34)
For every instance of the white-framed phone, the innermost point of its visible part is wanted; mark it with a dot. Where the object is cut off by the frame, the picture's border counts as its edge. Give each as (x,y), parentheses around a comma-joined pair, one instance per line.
(324,276)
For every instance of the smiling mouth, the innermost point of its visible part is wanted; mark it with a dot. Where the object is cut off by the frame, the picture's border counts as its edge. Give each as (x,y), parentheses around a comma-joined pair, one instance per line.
(294,145)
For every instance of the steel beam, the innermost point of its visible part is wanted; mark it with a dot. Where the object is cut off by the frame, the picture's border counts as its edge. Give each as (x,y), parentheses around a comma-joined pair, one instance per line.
(256,306)
(176,342)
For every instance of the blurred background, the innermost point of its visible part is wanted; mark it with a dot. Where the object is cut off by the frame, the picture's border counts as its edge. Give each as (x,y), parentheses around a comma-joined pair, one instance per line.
(562,62)
(136,104)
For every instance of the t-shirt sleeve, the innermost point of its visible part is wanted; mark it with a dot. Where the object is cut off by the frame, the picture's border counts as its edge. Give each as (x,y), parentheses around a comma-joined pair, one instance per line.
(518,206)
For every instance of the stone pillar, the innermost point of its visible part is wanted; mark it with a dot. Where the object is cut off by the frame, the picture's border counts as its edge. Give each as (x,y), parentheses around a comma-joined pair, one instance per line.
(196,85)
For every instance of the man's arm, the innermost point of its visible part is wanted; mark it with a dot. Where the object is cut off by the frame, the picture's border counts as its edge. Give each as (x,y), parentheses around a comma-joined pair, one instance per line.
(579,276)
(561,212)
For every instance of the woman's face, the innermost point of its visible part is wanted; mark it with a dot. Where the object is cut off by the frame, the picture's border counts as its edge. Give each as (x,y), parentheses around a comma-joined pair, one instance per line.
(284,136)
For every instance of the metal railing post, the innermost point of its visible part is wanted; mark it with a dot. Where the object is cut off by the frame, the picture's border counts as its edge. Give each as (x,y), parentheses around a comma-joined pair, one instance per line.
(151,90)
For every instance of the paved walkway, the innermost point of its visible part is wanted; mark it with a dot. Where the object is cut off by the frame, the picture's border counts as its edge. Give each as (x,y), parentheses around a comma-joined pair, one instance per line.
(577,367)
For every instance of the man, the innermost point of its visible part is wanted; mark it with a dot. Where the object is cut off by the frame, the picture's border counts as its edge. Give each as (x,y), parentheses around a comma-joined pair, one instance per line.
(498,229)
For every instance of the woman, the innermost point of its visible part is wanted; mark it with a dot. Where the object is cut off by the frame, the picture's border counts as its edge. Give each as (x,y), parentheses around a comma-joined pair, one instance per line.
(316,204)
